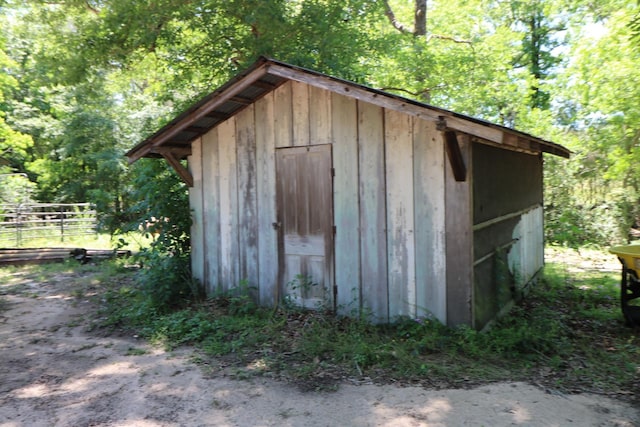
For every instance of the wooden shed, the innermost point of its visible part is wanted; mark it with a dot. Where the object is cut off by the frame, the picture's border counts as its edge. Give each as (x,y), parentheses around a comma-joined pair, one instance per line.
(327,193)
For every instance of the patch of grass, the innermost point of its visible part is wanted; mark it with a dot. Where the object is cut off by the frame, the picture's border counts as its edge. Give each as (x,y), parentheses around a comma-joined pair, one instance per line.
(134,351)
(567,334)
(133,241)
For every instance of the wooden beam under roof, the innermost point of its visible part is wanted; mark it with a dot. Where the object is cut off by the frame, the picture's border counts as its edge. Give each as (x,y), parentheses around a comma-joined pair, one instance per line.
(182,171)
(268,74)
(241,100)
(454,154)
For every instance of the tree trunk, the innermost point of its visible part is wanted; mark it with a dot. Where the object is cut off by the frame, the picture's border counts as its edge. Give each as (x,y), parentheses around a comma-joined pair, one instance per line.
(420,20)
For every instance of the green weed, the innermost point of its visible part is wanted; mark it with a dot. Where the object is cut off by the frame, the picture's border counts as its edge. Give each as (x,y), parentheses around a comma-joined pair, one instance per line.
(567,333)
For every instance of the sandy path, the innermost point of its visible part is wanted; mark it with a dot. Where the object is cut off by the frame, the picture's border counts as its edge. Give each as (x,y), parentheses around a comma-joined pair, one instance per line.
(54,373)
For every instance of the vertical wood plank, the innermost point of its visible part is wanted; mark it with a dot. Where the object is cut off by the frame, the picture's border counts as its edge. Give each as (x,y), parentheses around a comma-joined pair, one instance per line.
(211,208)
(283,115)
(346,207)
(459,240)
(428,159)
(247,197)
(372,194)
(266,186)
(194,163)
(228,205)
(320,115)
(400,219)
(300,113)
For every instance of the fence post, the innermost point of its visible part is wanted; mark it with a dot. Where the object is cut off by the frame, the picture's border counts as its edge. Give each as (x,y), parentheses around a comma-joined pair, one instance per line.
(19,226)
(61,224)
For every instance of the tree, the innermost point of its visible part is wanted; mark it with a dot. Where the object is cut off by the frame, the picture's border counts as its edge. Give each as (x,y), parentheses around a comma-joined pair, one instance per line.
(542,24)
(14,145)
(598,102)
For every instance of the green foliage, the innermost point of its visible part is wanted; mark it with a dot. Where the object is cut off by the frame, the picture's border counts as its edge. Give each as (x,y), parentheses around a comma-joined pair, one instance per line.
(16,189)
(82,82)
(569,332)
(164,216)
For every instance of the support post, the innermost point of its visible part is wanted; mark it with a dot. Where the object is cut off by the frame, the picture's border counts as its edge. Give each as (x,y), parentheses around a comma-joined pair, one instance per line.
(183,172)
(455,156)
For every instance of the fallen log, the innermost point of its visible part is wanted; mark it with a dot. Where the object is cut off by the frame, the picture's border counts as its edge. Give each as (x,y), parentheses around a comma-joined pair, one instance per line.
(21,256)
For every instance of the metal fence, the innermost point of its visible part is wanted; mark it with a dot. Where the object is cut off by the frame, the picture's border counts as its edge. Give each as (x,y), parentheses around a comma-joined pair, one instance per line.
(22,222)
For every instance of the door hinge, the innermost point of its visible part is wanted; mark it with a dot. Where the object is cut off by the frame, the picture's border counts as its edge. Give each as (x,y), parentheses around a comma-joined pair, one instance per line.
(334,230)
(333,172)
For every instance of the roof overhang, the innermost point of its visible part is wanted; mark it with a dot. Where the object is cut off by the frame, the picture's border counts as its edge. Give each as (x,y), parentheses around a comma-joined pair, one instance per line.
(173,141)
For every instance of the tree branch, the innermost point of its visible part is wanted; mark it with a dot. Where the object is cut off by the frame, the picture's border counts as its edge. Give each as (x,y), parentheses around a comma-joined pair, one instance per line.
(451,38)
(394,21)
(92,9)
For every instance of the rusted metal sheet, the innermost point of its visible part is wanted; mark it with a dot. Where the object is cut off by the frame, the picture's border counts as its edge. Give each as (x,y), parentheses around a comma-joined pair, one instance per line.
(305,220)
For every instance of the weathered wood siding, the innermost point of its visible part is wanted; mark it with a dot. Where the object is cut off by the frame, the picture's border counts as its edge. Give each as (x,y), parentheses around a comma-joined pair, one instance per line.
(389,202)
(429,204)
(508,229)
(372,209)
(266,178)
(196,204)
(400,214)
(459,239)
(344,136)
(211,205)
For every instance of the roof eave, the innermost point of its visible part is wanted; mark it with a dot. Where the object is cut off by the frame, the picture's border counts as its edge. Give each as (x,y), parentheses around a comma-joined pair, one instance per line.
(482,130)
(148,147)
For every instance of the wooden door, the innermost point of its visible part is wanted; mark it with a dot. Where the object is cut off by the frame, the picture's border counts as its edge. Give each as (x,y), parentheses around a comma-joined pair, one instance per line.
(305,222)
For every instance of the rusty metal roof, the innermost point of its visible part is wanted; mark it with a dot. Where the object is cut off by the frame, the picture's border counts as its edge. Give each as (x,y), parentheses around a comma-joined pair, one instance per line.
(267,74)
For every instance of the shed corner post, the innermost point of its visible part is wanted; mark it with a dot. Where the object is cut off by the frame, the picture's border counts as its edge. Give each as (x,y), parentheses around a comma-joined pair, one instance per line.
(459,239)
(194,163)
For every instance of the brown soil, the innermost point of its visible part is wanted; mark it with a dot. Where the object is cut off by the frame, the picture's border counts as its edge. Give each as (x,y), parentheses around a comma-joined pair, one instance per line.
(54,372)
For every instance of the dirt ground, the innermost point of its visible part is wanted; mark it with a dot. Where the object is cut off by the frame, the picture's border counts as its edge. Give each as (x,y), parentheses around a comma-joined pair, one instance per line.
(53,372)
